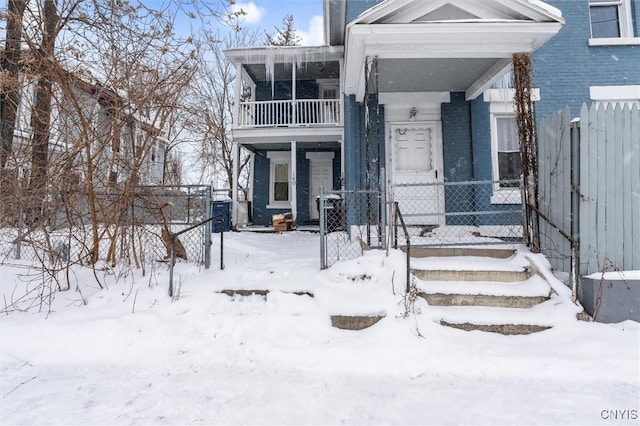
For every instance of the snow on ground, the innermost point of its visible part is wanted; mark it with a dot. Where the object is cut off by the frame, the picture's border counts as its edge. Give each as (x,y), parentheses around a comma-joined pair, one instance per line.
(132,356)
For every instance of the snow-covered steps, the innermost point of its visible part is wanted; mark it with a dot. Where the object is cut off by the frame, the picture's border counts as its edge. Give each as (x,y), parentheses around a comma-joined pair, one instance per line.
(494,290)
(471,265)
(522,294)
(500,320)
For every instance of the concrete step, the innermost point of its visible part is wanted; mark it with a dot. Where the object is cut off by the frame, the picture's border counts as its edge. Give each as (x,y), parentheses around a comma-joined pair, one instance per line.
(473,268)
(519,302)
(506,329)
(476,275)
(495,253)
(500,320)
(523,294)
(355,322)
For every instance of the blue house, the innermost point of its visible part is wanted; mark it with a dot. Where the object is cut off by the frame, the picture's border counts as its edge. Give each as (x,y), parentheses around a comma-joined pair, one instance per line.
(413,92)
(594,58)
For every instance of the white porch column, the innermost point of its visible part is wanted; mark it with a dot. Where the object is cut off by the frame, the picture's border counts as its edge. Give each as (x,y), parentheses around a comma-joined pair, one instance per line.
(293,93)
(294,183)
(235,155)
(236,106)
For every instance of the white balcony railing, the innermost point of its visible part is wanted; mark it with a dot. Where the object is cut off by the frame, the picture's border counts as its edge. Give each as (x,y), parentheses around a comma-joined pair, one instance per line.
(300,113)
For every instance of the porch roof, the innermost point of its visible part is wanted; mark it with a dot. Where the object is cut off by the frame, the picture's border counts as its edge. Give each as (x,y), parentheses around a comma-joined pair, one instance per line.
(267,62)
(444,45)
(314,136)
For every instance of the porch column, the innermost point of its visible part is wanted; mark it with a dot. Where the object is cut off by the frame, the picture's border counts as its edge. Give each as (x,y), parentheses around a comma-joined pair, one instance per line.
(235,155)
(294,113)
(238,94)
(294,183)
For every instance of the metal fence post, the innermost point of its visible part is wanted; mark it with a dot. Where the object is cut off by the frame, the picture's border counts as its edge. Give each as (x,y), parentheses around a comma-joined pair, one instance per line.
(172,259)
(19,239)
(207,228)
(383,209)
(575,208)
(321,213)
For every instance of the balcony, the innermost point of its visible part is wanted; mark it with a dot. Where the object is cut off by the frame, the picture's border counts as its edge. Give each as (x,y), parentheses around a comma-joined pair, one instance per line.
(287,113)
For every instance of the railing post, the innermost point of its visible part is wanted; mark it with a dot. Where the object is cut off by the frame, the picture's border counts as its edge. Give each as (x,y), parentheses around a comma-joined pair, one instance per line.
(383,207)
(395,224)
(207,228)
(221,220)
(172,239)
(321,215)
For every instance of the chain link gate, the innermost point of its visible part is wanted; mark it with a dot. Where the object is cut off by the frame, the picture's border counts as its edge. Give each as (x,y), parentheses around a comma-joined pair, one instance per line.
(466,213)
(136,237)
(350,223)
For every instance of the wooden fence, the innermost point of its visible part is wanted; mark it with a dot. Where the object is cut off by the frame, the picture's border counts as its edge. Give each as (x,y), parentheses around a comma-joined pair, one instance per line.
(589,186)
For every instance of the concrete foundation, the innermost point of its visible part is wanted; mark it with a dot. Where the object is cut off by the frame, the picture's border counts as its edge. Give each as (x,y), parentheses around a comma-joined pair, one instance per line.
(610,301)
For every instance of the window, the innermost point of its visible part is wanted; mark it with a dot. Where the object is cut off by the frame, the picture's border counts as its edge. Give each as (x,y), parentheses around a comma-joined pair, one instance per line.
(505,144)
(508,151)
(281,182)
(611,22)
(279,179)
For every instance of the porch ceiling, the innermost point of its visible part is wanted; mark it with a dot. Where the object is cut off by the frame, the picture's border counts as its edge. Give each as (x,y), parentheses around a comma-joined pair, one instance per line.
(431,75)
(312,62)
(283,71)
(444,45)
(444,56)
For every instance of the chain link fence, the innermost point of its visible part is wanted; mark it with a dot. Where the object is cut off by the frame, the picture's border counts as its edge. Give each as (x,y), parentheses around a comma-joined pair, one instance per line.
(131,228)
(436,214)
(461,213)
(350,223)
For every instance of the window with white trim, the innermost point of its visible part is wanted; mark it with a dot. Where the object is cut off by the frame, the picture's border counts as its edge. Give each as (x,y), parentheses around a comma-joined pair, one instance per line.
(611,22)
(279,179)
(507,150)
(505,144)
(611,95)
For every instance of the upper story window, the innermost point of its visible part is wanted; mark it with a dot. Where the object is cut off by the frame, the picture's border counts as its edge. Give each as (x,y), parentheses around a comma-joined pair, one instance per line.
(611,23)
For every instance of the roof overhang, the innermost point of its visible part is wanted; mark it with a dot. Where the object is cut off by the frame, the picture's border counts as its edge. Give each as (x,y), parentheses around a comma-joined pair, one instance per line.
(477,38)
(275,62)
(334,12)
(284,54)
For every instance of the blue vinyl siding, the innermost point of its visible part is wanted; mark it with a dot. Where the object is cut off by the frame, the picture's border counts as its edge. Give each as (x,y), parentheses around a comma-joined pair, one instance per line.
(261,214)
(457,152)
(356,7)
(566,66)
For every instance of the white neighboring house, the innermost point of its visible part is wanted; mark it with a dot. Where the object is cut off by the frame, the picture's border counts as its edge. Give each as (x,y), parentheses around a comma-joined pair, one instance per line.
(90,127)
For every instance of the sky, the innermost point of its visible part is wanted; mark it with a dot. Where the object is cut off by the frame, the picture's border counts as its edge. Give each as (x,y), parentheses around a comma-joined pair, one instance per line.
(267,14)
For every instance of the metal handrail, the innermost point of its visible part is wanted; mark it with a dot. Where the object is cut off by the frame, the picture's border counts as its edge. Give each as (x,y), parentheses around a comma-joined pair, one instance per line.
(172,240)
(575,254)
(398,214)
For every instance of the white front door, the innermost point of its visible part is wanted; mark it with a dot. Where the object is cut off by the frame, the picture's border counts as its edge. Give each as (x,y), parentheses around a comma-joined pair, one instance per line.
(416,162)
(320,175)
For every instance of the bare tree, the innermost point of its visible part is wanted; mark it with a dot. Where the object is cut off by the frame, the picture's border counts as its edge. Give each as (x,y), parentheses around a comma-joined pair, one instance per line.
(105,83)
(214,104)
(9,81)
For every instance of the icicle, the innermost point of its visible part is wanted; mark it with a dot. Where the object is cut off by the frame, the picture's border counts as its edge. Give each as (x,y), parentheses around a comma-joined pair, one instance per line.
(269,68)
